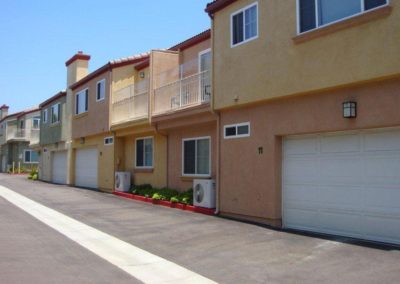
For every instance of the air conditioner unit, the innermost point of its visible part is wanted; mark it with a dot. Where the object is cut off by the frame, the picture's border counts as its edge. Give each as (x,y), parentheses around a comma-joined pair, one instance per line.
(204,193)
(122,181)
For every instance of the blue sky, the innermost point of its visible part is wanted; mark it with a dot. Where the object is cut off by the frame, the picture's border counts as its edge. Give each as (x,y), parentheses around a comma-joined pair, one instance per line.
(37,37)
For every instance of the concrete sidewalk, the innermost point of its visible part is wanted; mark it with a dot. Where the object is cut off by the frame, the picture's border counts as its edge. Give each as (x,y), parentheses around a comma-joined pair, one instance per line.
(223,250)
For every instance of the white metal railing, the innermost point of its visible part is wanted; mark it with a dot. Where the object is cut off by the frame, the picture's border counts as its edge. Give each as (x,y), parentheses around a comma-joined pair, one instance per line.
(130,103)
(189,91)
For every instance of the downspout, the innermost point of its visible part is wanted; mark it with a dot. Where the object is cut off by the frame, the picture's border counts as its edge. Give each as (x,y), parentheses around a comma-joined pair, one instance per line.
(217,114)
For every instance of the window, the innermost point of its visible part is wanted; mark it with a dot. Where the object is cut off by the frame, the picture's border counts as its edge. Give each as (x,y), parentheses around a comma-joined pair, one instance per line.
(237,130)
(55,113)
(81,101)
(30,157)
(36,123)
(100,90)
(316,13)
(144,152)
(21,124)
(44,115)
(108,140)
(244,25)
(196,156)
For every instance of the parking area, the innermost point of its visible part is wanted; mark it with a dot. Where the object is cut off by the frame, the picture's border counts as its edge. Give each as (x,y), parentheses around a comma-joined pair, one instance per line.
(225,251)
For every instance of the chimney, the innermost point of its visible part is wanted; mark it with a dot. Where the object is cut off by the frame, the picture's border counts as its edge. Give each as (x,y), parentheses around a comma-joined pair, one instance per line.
(77,67)
(3,111)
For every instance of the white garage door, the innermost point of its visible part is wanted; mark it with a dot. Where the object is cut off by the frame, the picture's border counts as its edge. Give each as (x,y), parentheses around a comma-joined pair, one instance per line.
(346,184)
(59,167)
(86,168)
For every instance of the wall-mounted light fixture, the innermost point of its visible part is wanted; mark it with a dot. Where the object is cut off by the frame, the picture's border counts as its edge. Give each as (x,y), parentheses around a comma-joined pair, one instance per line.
(141,74)
(349,109)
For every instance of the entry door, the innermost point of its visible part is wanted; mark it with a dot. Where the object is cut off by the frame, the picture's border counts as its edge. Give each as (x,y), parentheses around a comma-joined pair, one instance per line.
(86,167)
(205,76)
(343,183)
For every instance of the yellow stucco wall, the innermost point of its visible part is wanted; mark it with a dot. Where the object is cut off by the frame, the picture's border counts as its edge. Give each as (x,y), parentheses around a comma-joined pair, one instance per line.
(273,66)
(105,160)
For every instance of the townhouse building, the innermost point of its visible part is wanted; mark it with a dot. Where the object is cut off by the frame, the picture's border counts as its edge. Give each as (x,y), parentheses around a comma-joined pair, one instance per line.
(92,142)
(308,95)
(54,137)
(18,132)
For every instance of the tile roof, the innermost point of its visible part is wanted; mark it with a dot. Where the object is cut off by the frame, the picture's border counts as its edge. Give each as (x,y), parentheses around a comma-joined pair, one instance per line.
(217,5)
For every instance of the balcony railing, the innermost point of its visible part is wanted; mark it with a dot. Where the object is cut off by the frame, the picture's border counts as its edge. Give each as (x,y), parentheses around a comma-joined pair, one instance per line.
(187,92)
(32,135)
(131,103)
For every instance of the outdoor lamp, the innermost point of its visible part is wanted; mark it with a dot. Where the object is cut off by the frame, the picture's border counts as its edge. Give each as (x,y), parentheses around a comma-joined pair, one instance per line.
(349,109)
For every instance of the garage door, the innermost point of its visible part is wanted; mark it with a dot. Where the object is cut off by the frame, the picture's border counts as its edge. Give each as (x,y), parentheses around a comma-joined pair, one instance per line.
(59,167)
(346,184)
(86,168)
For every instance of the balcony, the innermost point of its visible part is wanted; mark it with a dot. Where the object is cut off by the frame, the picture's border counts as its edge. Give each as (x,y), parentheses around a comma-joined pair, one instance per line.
(130,103)
(188,92)
(32,135)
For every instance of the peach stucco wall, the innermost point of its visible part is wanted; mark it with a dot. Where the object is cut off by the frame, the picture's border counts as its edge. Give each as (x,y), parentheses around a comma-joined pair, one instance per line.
(96,119)
(273,65)
(250,183)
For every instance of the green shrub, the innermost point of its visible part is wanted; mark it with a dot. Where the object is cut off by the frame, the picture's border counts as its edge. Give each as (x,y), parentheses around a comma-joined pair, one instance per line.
(34,174)
(156,196)
(168,194)
(174,199)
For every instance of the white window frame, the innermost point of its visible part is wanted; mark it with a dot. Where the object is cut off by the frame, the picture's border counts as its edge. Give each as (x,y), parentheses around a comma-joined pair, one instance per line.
(195,155)
(83,91)
(237,125)
(59,113)
(104,95)
(108,138)
(33,123)
(363,11)
(30,157)
(152,156)
(45,115)
(244,32)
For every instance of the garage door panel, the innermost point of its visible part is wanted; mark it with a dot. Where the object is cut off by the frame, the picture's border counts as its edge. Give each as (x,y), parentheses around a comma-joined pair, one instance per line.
(340,143)
(59,167)
(350,186)
(382,141)
(301,146)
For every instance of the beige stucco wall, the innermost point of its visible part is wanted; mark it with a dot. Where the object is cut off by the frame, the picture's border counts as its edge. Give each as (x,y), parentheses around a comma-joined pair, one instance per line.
(191,54)
(274,66)
(105,160)
(96,119)
(250,183)
(76,71)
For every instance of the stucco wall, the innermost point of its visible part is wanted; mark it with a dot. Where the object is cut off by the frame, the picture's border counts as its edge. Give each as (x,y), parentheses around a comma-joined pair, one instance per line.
(156,177)
(250,183)
(273,66)
(96,119)
(191,54)
(175,136)
(53,132)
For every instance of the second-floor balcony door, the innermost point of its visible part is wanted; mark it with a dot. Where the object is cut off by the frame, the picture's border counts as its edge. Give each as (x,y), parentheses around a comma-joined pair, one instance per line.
(205,79)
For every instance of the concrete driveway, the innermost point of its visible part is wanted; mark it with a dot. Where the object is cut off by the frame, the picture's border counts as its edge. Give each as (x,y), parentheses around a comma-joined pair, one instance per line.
(223,250)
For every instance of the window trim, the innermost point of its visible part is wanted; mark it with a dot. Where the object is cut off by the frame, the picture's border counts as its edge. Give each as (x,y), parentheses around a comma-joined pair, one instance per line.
(152,156)
(33,123)
(45,116)
(244,31)
(195,155)
(363,11)
(97,84)
(58,115)
(236,125)
(76,96)
(30,157)
(109,137)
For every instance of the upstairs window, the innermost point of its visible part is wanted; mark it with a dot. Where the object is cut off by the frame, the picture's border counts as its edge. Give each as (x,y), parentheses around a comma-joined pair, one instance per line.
(55,113)
(81,101)
(100,90)
(21,124)
(244,25)
(45,115)
(36,123)
(317,13)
